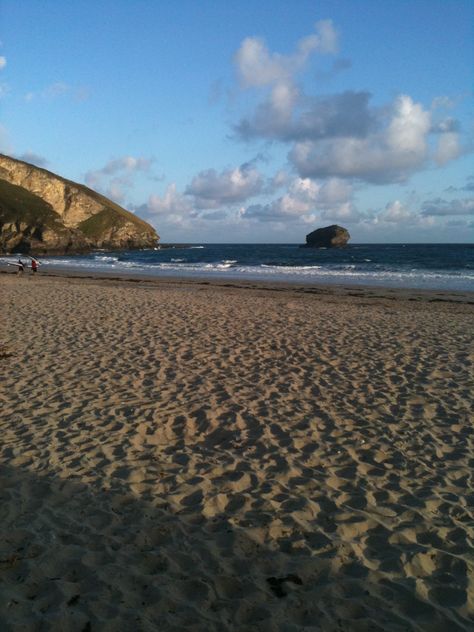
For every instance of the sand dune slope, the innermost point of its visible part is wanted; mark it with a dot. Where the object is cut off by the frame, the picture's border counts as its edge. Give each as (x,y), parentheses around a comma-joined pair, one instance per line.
(194,457)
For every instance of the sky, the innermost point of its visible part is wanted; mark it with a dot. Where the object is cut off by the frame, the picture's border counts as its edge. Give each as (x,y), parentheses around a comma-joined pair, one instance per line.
(248,121)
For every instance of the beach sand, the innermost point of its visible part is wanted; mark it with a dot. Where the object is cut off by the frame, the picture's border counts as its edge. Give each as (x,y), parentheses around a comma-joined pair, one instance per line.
(185,455)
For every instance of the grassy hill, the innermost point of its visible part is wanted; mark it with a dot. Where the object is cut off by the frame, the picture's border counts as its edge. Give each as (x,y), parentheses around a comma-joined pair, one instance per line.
(36,223)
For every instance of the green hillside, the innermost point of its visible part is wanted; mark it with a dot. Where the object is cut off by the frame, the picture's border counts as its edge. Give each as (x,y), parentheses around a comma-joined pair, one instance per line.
(20,205)
(28,221)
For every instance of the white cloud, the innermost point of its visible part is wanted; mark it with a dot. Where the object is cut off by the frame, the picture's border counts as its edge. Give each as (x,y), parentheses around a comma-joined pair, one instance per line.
(117,175)
(340,135)
(396,216)
(343,213)
(326,40)
(257,66)
(171,203)
(3,62)
(388,155)
(173,209)
(408,128)
(396,212)
(211,189)
(304,200)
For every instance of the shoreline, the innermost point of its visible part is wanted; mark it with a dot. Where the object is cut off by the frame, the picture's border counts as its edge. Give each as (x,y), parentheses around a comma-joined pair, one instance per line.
(430,267)
(321,289)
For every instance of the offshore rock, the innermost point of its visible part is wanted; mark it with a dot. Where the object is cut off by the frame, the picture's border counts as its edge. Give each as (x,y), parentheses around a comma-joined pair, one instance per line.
(329,237)
(44,213)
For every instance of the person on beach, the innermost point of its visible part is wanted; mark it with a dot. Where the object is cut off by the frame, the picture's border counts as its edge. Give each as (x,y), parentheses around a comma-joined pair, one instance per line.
(34,266)
(21,267)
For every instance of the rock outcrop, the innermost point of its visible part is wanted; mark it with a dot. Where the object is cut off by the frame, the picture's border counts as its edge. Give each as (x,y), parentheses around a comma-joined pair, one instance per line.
(43,213)
(328,237)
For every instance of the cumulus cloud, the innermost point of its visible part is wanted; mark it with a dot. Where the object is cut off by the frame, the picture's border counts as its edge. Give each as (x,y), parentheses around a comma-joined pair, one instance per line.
(340,135)
(117,176)
(389,154)
(257,66)
(343,213)
(211,189)
(304,199)
(397,213)
(396,216)
(287,115)
(441,207)
(169,212)
(171,204)
(214,196)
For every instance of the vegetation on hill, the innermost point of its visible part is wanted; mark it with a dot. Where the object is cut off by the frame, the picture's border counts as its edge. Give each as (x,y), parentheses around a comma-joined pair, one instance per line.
(20,205)
(42,211)
(97,225)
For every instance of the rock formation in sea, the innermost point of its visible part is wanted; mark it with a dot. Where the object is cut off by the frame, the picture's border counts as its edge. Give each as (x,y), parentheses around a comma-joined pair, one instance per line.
(43,213)
(328,237)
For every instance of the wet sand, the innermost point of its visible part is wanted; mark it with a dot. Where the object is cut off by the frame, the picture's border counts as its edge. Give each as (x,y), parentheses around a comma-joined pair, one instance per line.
(234,456)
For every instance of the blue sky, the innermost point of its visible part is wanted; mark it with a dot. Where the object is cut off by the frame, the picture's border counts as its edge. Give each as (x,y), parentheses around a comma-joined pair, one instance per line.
(251,121)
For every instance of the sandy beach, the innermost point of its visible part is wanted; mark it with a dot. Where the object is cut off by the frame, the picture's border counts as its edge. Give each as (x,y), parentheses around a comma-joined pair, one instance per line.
(183,455)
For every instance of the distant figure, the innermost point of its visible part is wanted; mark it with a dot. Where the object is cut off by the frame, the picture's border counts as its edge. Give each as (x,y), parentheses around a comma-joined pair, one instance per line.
(34,266)
(21,267)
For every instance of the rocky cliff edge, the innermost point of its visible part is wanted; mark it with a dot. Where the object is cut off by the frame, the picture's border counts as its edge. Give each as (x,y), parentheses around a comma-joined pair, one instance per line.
(44,213)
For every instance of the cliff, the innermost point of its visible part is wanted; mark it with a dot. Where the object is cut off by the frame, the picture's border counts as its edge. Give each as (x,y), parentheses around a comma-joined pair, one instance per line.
(43,213)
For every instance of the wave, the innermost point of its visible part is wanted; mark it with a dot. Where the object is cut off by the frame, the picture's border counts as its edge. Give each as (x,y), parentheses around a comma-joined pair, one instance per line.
(106,258)
(293,266)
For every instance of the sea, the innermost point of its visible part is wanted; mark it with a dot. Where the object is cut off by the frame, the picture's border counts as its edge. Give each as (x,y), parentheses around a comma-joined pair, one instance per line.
(418,266)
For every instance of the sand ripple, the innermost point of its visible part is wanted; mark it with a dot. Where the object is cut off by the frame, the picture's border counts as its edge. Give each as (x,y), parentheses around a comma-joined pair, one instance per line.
(185,456)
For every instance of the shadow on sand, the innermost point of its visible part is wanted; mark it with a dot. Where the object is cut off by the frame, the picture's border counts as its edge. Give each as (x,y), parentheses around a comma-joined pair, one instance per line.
(74,558)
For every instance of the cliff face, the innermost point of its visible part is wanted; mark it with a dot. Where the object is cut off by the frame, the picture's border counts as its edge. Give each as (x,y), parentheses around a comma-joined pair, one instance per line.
(44,213)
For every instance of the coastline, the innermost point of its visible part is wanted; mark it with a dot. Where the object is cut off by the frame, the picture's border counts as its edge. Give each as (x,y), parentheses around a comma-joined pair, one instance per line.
(444,267)
(216,455)
(321,289)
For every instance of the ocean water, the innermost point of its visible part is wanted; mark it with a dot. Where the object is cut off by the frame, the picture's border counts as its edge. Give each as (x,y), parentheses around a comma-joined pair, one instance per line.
(421,266)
